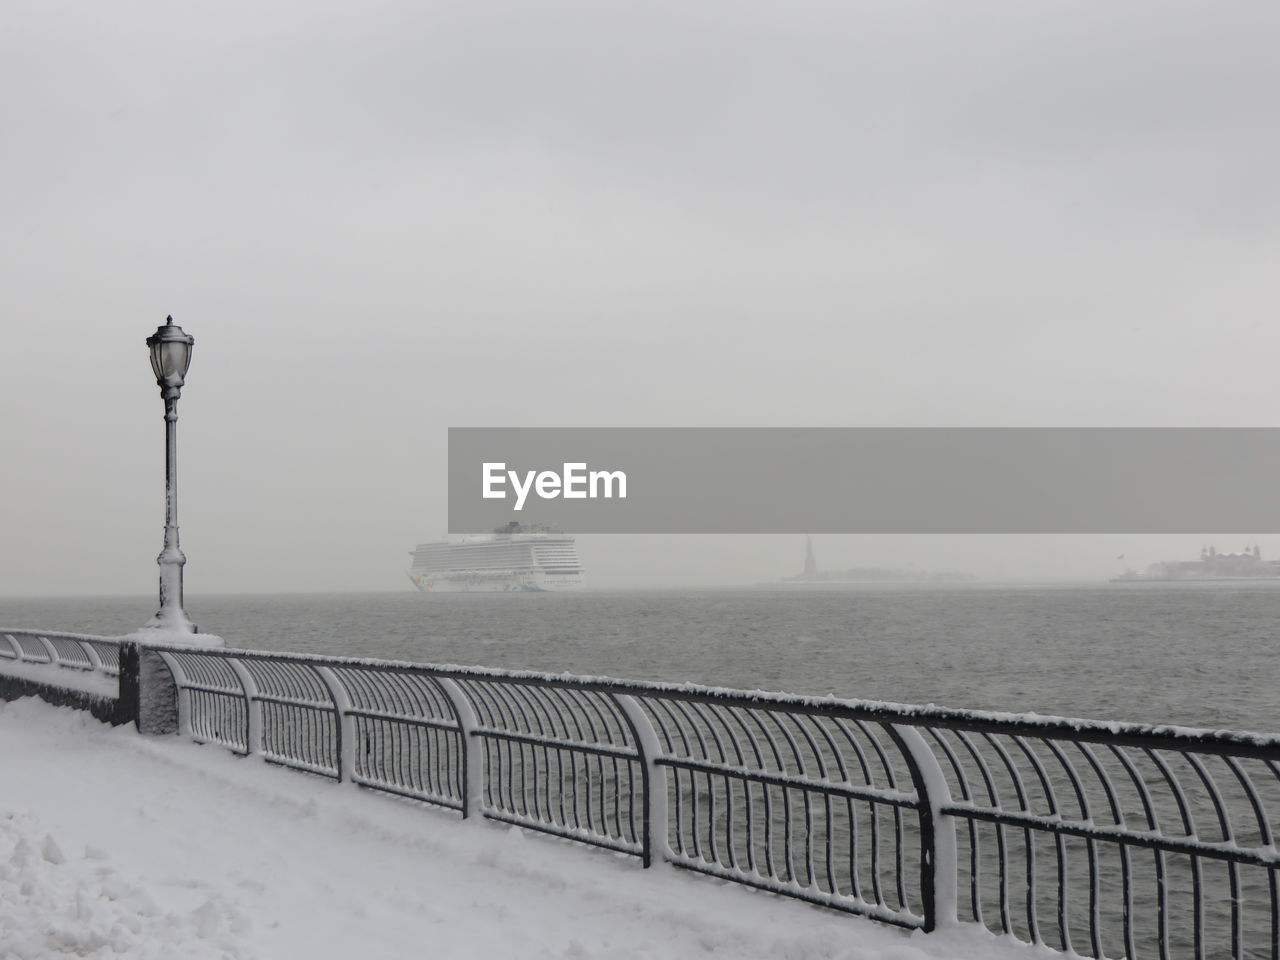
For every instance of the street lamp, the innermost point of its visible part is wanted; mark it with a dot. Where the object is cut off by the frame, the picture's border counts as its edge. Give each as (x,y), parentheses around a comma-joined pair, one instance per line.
(170,358)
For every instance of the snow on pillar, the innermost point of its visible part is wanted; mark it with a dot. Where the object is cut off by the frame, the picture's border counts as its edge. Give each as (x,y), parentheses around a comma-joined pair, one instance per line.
(148,693)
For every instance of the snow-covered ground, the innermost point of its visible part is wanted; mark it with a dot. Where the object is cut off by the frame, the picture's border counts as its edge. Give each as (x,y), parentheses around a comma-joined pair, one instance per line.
(118,845)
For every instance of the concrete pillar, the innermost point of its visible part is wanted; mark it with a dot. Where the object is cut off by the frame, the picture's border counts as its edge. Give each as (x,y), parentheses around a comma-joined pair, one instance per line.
(148,694)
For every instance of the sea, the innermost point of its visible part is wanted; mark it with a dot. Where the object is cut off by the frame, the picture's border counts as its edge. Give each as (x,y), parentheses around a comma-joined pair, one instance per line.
(1196,654)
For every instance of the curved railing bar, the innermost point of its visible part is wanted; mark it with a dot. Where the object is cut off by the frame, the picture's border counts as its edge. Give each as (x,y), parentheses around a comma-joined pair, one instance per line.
(66,652)
(686,722)
(993,798)
(514,721)
(852,739)
(1189,828)
(575,757)
(710,720)
(770,862)
(1086,816)
(402,694)
(1117,815)
(1059,842)
(591,786)
(588,705)
(829,857)
(52,651)
(531,711)
(696,721)
(108,653)
(891,778)
(1153,824)
(33,651)
(1246,784)
(736,714)
(584,705)
(91,661)
(1228,836)
(91,654)
(591,702)
(873,811)
(780,723)
(807,797)
(1019,789)
(567,715)
(530,722)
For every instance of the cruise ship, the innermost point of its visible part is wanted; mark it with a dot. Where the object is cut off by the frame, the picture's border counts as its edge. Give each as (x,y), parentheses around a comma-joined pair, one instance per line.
(514,558)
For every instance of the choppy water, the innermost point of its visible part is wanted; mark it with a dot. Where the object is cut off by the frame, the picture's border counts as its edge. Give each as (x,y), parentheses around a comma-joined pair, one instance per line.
(1198,654)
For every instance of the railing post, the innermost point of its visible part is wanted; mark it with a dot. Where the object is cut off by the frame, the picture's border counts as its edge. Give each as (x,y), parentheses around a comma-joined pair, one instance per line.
(90,654)
(653,781)
(252,707)
(472,779)
(50,649)
(940,878)
(344,723)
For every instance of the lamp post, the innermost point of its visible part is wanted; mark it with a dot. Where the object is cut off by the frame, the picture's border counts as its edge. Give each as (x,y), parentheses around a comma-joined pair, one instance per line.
(170,357)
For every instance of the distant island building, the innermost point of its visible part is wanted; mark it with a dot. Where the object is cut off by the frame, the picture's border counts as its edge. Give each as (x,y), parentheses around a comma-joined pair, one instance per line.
(812,575)
(1212,565)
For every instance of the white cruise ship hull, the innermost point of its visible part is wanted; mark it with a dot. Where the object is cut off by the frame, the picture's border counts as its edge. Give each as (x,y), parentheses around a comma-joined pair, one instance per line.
(461,581)
(498,563)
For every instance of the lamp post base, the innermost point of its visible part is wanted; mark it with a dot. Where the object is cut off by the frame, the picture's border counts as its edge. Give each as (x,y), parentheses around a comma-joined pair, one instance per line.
(170,620)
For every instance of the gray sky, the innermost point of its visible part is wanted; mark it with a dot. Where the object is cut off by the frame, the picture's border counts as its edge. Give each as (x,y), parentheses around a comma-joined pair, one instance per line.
(380,220)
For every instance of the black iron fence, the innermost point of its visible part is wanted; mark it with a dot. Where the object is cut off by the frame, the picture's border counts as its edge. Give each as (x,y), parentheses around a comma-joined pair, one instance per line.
(1100,839)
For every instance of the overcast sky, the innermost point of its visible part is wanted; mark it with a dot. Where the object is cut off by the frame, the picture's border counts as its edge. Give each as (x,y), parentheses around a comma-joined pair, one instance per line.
(380,220)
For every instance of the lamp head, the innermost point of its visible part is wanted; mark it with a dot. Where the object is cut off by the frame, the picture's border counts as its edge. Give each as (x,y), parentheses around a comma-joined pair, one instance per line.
(170,358)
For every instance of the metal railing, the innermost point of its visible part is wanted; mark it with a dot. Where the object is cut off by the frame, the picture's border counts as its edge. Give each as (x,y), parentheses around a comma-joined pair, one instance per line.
(1100,839)
(73,650)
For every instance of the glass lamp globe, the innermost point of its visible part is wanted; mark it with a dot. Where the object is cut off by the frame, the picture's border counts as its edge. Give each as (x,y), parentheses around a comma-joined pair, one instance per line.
(170,356)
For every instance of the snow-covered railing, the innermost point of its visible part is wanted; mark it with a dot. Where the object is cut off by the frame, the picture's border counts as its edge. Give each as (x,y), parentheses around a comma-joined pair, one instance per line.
(73,650)
(1099,839)
(1102,839)
(67,669)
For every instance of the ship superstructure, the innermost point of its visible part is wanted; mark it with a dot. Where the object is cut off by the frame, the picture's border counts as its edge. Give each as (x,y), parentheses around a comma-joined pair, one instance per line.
(514,558)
